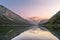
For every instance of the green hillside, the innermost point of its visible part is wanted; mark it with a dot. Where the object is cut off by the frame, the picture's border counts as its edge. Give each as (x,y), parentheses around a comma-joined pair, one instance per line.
(11,24)
(54,24)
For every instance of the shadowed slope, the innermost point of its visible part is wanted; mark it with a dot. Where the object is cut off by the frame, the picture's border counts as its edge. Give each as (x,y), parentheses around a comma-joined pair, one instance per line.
(54,25)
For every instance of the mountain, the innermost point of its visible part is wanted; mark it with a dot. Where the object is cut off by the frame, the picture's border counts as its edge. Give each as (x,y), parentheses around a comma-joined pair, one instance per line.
(34,20)
(43,21)
(11,24)
(8,17)
(53,24)
(37,20)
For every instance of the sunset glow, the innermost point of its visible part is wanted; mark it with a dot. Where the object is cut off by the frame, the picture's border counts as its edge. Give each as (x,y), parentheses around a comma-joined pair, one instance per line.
(44,9)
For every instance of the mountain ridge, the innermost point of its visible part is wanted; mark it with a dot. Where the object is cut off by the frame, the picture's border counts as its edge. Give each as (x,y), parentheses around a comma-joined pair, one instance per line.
(10,15)
(53,24)
(11,24)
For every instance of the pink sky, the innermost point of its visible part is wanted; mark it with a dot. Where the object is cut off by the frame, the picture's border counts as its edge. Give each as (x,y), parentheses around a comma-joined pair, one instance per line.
(43,11)
(30,8)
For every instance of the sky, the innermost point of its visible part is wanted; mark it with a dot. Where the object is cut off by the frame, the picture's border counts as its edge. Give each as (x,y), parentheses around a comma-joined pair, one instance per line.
(44,9)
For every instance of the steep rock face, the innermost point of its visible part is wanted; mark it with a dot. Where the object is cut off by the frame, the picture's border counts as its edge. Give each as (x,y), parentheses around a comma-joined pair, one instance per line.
(54,24)
(11,24)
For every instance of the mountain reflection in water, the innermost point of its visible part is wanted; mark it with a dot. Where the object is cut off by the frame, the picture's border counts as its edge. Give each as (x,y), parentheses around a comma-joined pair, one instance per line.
(36,33)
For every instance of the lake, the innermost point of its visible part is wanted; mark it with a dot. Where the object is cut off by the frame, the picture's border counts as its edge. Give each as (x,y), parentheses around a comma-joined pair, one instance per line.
(36,33)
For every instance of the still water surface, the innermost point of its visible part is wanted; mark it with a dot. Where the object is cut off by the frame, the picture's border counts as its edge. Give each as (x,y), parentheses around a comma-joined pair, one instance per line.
(36,33)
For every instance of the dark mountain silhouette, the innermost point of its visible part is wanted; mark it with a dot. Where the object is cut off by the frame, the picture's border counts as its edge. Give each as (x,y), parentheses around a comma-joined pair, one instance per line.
(11,24)
(54,24)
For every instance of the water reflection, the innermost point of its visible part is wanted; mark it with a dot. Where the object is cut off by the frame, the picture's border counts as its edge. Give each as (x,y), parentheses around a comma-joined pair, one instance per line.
(36,33)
